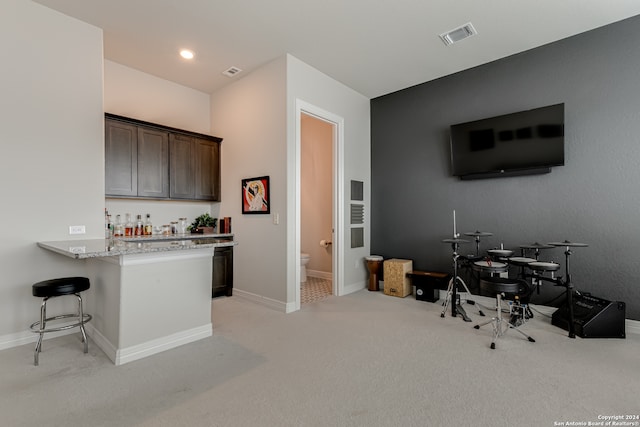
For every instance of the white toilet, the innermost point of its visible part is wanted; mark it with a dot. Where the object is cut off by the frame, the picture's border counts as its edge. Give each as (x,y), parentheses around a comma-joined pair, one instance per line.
(304,259)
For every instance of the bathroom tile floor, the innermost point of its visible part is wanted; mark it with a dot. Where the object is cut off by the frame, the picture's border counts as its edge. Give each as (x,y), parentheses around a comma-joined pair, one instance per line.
(315,289)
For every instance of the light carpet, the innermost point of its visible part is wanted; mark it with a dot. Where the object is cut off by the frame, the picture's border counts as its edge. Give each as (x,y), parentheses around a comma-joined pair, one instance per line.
(364,359)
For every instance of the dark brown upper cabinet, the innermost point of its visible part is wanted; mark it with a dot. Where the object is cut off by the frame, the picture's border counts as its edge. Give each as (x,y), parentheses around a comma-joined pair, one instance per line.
(146,160)
(153,163)
(207,172)
(183,185)
(121,159)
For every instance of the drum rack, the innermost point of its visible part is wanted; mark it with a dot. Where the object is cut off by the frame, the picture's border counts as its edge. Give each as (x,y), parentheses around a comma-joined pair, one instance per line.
(558,281)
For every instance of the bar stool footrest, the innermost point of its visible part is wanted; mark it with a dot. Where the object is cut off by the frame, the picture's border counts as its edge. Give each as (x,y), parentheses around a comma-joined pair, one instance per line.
(86,318)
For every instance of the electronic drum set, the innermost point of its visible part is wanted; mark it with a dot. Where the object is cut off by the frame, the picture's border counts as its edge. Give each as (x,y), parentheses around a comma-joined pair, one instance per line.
(493,272)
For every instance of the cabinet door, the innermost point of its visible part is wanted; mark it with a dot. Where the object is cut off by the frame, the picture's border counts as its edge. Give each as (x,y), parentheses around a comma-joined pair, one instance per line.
(121,159)
(207,173)
(153,163)
(182,167)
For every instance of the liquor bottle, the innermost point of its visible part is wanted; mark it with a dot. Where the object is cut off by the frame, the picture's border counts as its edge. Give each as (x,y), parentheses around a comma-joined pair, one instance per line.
(139,228)
(108,231)
(128,226)
(148,227)
(118,229)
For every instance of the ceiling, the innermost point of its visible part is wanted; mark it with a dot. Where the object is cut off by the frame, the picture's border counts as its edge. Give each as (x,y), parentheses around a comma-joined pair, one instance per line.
(375,47)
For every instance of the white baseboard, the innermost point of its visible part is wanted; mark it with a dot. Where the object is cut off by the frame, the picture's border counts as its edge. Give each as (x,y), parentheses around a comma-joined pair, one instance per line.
(27,337)
(354,287)
(327,275)
(140,351)
(632,326)
(103,343)
(259,299)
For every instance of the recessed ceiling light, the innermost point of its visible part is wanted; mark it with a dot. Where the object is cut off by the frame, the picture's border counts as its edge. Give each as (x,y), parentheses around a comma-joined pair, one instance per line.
(186,54)
(457,34)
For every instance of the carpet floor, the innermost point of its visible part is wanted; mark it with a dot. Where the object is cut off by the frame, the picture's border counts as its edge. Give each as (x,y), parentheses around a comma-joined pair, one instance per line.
(364,359)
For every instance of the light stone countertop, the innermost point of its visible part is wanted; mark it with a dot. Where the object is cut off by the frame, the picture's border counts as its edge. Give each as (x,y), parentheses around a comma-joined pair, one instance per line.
(96,248)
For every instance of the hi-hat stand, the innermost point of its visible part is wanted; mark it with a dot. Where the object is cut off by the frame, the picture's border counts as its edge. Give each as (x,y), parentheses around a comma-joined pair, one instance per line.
(452,296)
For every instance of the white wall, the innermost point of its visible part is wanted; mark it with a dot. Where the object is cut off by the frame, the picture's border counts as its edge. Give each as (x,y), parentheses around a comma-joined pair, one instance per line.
(257,117)
(52,167)
(250,114)
(132,93)
(313,87)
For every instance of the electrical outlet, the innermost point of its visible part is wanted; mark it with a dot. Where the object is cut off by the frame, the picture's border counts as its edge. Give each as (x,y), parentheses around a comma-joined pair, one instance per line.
(276,218)
(77,229)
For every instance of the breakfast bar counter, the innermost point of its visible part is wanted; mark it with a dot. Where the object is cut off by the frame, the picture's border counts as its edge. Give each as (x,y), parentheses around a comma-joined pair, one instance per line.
(147,295)
(97,248)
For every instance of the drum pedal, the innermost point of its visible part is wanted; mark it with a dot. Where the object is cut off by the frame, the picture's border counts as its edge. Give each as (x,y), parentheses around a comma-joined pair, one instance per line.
(463,314)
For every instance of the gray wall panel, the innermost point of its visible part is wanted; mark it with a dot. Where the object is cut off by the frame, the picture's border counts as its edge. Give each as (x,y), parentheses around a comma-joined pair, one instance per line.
(593,199)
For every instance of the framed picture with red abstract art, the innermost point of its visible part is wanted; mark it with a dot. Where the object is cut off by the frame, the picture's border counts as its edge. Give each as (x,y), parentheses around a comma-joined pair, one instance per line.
(256,196)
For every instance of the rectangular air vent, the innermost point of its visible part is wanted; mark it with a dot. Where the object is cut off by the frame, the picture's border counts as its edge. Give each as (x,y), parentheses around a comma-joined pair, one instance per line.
(457,34)
(232,71)
(357,214)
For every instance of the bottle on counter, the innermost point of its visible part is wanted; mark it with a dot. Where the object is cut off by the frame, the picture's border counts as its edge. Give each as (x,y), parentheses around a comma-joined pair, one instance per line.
(139,227)
(108,226)
(148,227)
(174,227)
(128,226)
(118,228)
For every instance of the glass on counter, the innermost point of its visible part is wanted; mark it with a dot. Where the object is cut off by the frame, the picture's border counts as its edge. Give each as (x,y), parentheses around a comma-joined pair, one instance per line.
(166,230)
(182,225)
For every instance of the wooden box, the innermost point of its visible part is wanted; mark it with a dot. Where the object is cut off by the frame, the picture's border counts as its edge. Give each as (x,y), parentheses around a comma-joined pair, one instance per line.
(396,282)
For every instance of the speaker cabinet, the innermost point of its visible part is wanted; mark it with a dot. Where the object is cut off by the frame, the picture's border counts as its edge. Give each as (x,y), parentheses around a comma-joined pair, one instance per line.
(593,317)
(428,284)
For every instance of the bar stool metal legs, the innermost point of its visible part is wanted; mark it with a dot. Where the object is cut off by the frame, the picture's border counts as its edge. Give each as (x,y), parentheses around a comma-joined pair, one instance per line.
(54,288)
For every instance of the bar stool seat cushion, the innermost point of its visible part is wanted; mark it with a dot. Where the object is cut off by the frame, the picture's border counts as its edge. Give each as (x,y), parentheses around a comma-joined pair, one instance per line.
(62,286)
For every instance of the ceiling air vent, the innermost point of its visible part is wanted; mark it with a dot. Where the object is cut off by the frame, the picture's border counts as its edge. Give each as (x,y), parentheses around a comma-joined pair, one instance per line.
(232,71)
(457,34)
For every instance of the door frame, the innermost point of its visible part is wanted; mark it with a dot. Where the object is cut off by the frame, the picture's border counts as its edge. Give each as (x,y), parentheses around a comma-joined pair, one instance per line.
(337,238)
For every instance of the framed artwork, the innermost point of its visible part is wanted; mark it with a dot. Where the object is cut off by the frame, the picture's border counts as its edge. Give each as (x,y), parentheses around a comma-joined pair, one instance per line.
(256,195)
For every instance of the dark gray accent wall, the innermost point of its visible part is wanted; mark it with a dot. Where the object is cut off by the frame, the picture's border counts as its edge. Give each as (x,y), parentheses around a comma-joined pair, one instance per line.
(593,199)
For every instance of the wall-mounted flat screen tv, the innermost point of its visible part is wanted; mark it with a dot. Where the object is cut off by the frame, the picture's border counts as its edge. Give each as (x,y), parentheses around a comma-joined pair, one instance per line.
(522,143)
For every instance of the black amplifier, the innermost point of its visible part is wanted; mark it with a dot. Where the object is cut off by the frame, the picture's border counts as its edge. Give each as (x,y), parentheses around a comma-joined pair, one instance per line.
(593,317)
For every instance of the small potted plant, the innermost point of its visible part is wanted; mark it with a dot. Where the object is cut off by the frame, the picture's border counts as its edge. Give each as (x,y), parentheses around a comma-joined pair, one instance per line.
(204,224)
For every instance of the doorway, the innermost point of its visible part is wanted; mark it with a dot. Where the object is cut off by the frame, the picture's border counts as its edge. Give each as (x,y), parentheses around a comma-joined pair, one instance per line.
(316,208)
(319,205)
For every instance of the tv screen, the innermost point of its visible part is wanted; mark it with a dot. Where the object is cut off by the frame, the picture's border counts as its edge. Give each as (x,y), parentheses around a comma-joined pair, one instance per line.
(513,144)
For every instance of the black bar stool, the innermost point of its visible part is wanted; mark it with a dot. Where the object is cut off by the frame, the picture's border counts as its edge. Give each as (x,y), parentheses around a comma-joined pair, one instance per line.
(56,288)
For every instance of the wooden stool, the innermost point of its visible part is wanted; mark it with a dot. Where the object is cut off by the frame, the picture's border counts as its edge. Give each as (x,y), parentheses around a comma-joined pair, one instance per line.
(55,288)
